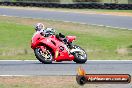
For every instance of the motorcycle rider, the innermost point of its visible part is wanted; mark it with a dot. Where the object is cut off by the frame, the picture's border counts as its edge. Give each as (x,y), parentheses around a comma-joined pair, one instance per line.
(40,28)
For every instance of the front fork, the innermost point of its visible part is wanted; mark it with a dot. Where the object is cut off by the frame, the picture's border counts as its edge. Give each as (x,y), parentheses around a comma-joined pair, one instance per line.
(42,48)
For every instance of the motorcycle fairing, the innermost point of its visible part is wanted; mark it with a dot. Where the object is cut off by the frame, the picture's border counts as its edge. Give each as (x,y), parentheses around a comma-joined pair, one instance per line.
(54,44)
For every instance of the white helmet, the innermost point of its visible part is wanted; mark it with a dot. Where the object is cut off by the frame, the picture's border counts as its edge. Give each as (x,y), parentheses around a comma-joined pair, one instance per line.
(39,26)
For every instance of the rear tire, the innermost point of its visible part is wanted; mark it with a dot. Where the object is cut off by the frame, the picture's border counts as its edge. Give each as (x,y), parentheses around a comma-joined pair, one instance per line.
(41,58)
(78,57)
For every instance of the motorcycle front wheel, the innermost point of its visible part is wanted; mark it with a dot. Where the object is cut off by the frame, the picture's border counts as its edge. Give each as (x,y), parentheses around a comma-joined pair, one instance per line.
(80,56)
(44,57)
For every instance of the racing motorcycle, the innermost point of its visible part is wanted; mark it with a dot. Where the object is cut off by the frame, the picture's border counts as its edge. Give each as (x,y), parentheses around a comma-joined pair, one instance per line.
(50,48)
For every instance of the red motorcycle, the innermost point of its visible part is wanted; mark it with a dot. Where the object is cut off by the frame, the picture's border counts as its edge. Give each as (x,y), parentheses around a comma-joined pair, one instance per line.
(48,49)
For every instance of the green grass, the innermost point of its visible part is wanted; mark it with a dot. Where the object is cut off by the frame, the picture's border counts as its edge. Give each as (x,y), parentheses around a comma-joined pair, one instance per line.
(14,35)
(70,10)
(40,82)
(99,42)
(50,82)
(97,10)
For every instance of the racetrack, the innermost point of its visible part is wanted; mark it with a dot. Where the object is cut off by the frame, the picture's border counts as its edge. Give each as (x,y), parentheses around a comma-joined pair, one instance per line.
(67,68)
(96,19)
(35,68)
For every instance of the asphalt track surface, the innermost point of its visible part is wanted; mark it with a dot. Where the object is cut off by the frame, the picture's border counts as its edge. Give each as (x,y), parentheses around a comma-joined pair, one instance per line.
(96,19)
(35,68)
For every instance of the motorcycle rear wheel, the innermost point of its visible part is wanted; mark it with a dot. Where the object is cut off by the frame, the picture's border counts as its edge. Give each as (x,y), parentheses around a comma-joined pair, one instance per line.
(45,58)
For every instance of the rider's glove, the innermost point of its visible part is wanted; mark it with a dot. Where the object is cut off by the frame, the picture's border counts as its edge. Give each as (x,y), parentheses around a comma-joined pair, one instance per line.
(61,35)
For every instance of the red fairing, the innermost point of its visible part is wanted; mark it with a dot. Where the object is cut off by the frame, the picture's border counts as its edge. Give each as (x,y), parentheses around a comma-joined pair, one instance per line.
(59,50)
(71,38)
(35,39)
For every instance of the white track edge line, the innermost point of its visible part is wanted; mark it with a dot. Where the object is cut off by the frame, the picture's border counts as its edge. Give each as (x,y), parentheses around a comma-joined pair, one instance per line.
(15,75)
(64,61)
(31,75)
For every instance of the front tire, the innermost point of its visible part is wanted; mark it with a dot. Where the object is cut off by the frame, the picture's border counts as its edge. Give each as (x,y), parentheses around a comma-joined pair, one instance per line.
(45,58)
(80,57)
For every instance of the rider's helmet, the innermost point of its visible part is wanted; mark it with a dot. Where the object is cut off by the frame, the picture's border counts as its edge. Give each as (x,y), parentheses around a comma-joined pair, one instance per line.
(39,26)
